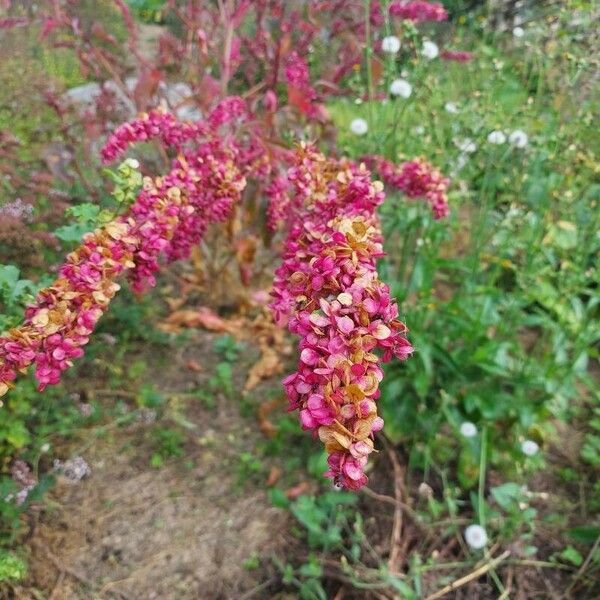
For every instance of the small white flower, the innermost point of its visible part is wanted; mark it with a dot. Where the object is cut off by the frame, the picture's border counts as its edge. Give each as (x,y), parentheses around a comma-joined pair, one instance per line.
(529,448)
(496,137)
(401,87)
(359,127)
(45,448)
(451,108)
(518,138)
(390,44)
(467,145)
(518,32)
(419,130)
(468,429)
(430,50)
(476,537)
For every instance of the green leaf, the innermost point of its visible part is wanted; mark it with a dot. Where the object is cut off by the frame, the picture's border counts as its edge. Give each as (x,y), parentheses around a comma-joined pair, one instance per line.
(9,275)
(87,216)
(311,569)
(570,554)
(85,212)
(17,434)
(12,568)
(407,592)
(585,534)
(156,461)
(72,233)
(278,498)
(506,494)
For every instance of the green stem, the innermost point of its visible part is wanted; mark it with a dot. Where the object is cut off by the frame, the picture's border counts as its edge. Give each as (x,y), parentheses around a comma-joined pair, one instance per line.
(482,469)
(368,54)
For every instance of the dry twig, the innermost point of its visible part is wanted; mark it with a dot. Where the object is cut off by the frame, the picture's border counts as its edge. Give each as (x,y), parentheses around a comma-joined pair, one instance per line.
(395,547)
(78,576)
(492,564)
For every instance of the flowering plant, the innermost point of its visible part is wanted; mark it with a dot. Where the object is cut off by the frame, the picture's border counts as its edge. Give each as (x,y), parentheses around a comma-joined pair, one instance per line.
(327,289)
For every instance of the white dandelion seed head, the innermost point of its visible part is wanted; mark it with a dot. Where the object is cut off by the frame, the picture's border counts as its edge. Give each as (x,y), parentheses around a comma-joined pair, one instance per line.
(496,137)
(450,107)
(518,138)
(476,537)
(468,429)
(401,87)
(467,145)
(359,126)
(430,50)
(529,447)
(390,44)
(518,32)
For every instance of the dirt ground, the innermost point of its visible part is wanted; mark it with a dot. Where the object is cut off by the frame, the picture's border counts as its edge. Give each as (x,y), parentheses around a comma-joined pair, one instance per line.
(182,531)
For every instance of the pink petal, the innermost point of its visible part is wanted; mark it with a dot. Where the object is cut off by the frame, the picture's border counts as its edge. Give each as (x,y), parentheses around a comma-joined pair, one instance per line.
(377,424)
(371,306)
(358,370)
(353,470)
(309,356)
(319,320)
(306,419)
(345,324)
(382,332)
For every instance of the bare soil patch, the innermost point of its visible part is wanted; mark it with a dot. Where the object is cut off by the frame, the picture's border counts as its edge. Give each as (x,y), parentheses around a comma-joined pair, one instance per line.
(182,531)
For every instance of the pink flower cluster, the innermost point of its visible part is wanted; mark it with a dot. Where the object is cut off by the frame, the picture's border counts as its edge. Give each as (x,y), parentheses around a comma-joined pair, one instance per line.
(168,217)
(10,22)
(456,55)
(65,313)
(328,292)
(228,110)
(157,124)
(23,477)
(278,206)
(417,178)
(300,90)
(418,10)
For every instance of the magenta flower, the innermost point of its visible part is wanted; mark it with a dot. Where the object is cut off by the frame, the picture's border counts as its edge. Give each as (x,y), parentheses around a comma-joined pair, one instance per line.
(456,55)
(417,179)
(418,10)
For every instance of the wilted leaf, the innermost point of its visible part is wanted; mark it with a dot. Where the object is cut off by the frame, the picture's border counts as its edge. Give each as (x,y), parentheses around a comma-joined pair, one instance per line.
(274,475)
(293,492)
(264,410)
(268,365)
(194,366)
(202,317)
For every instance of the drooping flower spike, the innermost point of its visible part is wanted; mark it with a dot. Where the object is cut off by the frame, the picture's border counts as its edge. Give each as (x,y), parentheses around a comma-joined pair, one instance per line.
(328,293)
(417,179)
(168,217)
